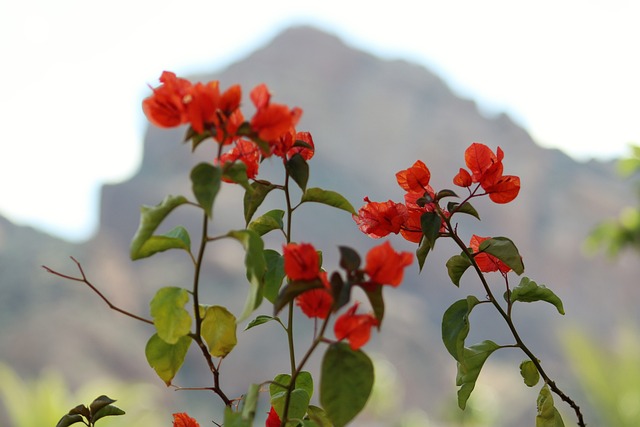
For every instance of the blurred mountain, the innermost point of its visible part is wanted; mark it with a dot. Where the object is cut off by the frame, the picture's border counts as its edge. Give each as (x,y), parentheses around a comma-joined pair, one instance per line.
(369,118)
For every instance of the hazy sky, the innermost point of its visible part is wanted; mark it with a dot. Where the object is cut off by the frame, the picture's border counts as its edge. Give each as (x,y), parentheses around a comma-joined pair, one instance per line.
(75,71)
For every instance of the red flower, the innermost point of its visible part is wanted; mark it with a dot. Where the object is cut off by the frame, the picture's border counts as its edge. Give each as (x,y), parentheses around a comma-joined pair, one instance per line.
(285,148)
(183,420)
(165,108)
(301,261)
(377,219)
(504,189)
(356,328)
(416,178)
(317,303)
(463,178)
(386,266)
(486,168)
(486,262)
(412,229)
(273,420)
(248,153)
(201,104)
(177,102)
(271,121)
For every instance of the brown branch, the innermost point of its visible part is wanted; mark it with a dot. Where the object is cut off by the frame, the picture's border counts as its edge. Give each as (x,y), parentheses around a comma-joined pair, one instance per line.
(83,279)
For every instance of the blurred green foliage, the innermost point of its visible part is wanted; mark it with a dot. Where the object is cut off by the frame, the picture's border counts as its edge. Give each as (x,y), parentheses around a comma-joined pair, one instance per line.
(608,375)
(41,402)
(615,235)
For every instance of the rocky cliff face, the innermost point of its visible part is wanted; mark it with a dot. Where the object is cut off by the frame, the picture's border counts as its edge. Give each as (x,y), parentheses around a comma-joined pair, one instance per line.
(369,118)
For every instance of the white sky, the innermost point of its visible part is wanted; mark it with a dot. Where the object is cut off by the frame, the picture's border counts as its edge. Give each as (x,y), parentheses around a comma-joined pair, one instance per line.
(75,71)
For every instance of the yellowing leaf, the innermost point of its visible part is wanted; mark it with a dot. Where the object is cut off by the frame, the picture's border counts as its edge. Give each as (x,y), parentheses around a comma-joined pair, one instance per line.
(170,318)
(166,359)
(219,331)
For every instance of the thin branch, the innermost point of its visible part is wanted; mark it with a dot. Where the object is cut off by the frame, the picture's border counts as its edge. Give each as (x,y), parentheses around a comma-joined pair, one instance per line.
(83,279)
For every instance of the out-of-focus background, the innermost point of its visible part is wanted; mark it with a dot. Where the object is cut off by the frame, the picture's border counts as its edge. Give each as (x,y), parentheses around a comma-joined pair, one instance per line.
(554,85)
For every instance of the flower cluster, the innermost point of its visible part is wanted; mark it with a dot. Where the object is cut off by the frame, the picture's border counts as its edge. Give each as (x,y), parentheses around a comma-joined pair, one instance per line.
(384,266)
(486,170)
(379,219)
(213,113)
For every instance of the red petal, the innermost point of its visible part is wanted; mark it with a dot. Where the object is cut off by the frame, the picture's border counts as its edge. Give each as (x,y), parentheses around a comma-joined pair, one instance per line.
(505,190)
(416,178)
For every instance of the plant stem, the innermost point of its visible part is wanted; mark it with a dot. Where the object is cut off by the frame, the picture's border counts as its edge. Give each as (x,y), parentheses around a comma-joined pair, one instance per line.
(83,279)
(294,374)
(512,328)
(197,337)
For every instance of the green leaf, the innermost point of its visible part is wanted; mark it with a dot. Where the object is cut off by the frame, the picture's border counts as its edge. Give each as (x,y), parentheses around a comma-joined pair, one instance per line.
(254,198)
(504,249)
(274,276)
(469,368)
(170,318)
(298,169)
(151,217)
(81,410)
(340,290)
(107,411)
(255,265)
(166,359)
(319,416)
(346,382)
(178,238)
(99,403)
(235,419)
(196,138)
(69,419)
(298,404)
(279,384)
(529,373)
(300,396)
(250,402)
(271,220)
(445,193)
(430,223)
(205,184)
(219,331)
(304,381)
(259,321)
(377,302)
(327,197)
(464,208)
(237,172)
(292,290)
(530,291)
(422,252)
(349,259)
(455,325)
(456,266)
(548,415)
